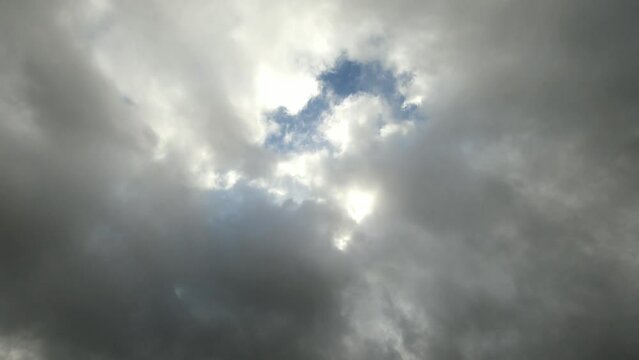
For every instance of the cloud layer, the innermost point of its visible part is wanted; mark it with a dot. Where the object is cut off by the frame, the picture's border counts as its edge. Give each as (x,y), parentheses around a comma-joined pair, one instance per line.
(319,180)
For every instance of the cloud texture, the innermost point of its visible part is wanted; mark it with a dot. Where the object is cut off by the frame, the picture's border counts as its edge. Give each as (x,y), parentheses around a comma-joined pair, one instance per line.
(206,180)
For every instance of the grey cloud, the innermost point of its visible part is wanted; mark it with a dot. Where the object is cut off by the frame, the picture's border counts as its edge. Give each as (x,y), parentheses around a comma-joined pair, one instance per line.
(106,254)
(521,182)
(505,228)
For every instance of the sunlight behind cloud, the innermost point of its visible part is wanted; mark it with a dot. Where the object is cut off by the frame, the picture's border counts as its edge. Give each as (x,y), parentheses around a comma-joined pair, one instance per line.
(305,168)
(342,241)
(359,204)
(291,90)
(338,133)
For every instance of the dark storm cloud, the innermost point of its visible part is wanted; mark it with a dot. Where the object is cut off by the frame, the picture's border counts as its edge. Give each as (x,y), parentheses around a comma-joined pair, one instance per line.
(106,255)
(524,182)
(506,225)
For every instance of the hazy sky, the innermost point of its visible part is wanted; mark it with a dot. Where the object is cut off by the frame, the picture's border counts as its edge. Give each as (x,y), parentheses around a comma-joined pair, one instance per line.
(319,180)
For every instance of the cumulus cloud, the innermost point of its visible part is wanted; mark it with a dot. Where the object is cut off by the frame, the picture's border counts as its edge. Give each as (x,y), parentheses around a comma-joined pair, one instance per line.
(318,180)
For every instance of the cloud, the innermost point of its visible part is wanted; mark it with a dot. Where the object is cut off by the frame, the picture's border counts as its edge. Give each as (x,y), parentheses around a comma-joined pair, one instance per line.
(511,186)
(470,193)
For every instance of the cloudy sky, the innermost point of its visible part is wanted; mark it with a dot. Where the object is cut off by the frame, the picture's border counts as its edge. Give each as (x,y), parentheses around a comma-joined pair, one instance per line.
(319,180)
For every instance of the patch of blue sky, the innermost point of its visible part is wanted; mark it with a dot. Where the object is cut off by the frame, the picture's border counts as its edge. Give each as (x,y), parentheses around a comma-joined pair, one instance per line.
(350,77)
(299,131)
(347,77)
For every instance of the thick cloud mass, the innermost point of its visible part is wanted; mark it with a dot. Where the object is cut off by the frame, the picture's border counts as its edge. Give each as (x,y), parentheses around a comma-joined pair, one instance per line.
(479,201)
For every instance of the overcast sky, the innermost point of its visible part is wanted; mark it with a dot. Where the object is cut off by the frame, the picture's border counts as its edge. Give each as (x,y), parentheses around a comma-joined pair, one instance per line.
(319,180)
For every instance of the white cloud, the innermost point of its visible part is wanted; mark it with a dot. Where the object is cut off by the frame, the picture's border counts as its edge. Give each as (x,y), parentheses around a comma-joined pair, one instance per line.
(354,122)
(290,90)
(358,203)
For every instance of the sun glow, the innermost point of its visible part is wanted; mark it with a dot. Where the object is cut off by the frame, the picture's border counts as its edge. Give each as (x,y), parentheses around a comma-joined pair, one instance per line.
(285,88)
(342,241)
(359,204)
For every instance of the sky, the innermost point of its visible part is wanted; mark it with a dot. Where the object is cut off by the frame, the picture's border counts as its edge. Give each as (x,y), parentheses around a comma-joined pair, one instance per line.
(319,180)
